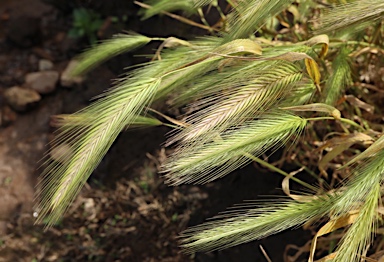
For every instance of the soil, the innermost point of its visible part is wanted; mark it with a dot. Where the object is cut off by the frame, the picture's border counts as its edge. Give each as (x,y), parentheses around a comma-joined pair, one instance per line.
(125,213)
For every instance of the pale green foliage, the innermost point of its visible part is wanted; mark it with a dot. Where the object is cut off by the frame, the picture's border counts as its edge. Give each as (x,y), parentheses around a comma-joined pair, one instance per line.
(365,179)
(255,89)
(90,143)
(247,224)
(352,17)
(117,109)
(359,235)
(204,162)
(238,91)
(250,15)
(253,221)
(200,3)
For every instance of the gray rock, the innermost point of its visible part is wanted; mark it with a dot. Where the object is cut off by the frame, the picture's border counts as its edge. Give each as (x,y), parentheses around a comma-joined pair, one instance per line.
(20,99)
(43,82)
(67,80)
(45,65)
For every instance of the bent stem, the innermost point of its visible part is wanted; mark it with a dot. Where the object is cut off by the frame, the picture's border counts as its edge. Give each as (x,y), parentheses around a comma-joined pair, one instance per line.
(278,170)
(344,120)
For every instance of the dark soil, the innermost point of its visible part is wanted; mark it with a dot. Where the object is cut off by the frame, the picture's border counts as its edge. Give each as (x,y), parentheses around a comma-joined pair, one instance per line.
(125,213)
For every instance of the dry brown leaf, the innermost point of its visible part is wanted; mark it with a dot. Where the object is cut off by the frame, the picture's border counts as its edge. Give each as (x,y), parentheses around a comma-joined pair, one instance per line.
(339,145)
(370,151)
(360,104)
(170,119)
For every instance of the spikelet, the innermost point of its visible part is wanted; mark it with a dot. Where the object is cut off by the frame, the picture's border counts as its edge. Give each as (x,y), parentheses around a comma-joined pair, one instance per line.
(64,177)
(252,222)
(243,100)
(340,77)
(249,15)
(208,161)
(352,17)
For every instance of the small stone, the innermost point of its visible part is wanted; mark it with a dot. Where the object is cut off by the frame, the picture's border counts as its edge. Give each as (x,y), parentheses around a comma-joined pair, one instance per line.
(67,80)
(43,82)
(45,65)
(20,99)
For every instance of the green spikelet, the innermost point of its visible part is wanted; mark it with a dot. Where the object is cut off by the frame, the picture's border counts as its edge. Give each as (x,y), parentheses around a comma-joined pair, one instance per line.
(208,161)
(359,235)
(244,99)
(352,17)
(100,53)
(252,223)
(340,77)
(250,15)
(87,144)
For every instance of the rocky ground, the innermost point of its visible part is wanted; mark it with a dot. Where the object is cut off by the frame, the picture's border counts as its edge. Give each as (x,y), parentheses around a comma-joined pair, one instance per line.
(125,213)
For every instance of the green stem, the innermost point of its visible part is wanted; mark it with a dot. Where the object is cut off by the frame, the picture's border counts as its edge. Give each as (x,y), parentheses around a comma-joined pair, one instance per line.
(336,43)
(158,39)
(278,170)
(344,120)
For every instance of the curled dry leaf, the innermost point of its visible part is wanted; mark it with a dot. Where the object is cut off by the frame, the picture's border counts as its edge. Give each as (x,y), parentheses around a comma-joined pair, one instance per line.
(319,39)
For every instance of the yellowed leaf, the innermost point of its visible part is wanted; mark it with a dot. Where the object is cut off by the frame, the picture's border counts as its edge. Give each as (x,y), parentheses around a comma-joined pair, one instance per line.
(239,46)
(290,56)
(286,190)
(313,71)
(331,226)
(329,257)
(295,12)
(174,42)
(232,49)
(320,39)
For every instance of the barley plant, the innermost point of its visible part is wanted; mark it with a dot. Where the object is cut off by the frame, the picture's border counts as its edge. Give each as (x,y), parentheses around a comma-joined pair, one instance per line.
(288,75)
